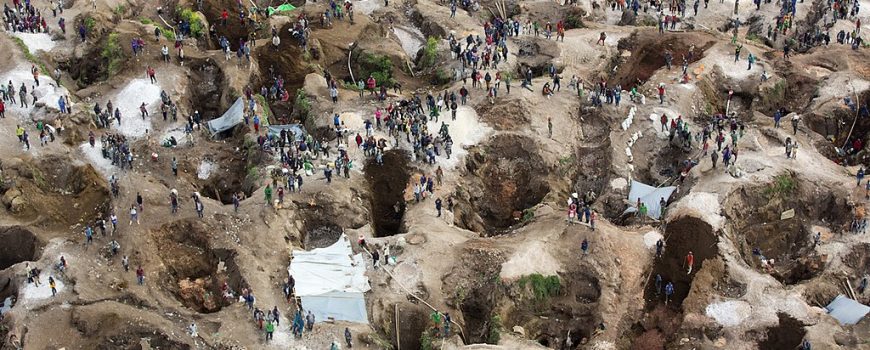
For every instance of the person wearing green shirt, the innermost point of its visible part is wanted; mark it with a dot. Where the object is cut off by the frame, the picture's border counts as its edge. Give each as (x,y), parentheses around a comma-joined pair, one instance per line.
(270,329)
(268,192)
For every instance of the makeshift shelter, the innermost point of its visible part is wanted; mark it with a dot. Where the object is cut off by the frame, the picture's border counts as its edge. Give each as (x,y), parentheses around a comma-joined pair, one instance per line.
(297,129)
(282,8)
(232,117)
(847,311)
(650,196)
(331,282)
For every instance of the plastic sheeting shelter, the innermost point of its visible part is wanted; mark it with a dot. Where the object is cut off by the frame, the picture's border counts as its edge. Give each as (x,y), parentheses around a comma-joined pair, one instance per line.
(297,129)
(847,311)
(650,196)
(232,117)
(282,8)
(331,282)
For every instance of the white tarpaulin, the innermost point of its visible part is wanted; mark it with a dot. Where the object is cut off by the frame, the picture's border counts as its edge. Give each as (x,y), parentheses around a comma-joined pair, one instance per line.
(650,196)
(232,117)
(331,282)
(847,311)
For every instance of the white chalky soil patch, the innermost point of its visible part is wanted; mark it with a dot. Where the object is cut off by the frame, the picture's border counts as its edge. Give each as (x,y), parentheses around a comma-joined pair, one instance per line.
(128,100)
(36,41)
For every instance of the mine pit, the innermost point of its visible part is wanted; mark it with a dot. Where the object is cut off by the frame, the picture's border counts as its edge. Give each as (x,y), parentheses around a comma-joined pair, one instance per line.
(388,183)
(681,236)
(19,245)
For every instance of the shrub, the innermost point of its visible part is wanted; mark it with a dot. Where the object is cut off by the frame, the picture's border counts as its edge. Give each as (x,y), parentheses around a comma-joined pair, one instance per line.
(573,21)
(120,10)
(168,33)
(196,27)
(301,104)
(90,23)
(112,53)
(441,77)
(495,329)
(145,20)
(378,66)
(430,52)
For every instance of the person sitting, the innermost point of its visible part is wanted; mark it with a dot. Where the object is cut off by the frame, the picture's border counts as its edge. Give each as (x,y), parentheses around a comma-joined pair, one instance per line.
(546,91)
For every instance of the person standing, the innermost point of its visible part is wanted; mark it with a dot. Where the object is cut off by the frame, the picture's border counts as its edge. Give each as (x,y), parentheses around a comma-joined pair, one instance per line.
(52,285)
(270,329)
(585,246)
(690,261)
(669,291)
(347,337)
(376,258)
(125,261)
(438,206)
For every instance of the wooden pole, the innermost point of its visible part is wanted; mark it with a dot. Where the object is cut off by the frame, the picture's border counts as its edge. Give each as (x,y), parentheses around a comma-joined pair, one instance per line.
(398,336)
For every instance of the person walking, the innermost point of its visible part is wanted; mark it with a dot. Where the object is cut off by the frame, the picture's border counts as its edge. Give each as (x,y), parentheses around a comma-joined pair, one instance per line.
(140,275)
(347,337)
(669,291)
(125,261)
(660,247)
(438,206)
(270,330)
(52,285)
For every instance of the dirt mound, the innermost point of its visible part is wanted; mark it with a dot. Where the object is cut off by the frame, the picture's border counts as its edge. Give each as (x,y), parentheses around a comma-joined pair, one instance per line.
(505,115)
(788,334)
(647,54)
(510,177)
(195,271)
(388,183)
(681,236)
(206,89)
(789,242)
(19,244)
(55,191)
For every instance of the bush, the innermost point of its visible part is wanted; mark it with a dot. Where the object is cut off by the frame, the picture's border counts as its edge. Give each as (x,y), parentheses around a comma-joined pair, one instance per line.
(378,66)
(145,20)
(441,77)
(168,33)
(301,104)
(430,52)
(196,27)
(495,329)
(120,10)
(573,22)
(541,287)
(90,23)
(112,53)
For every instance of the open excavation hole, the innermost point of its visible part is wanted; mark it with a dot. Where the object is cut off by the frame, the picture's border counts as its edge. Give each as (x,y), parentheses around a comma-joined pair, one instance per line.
(788,334)
(648,48)
(319,232)
(19,245)
(206,89)
(388,183)
(681,236)
(56,191)
(536,55)
(835,123)
(574,310)
(286,63)
(755,213)
(91,68)
(510,177)
(196,272)
(233,168)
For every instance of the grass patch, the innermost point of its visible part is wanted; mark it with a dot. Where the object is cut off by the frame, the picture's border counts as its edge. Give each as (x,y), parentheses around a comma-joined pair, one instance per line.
(145,21)
(349,85)
(783,185)
(267,112)
(542,287)
(120,10)
(112,53)
(29,55)
(426,342)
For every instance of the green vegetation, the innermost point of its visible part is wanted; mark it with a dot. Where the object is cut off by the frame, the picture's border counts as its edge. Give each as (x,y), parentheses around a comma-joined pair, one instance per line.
(495,329)
(120,10)
(430,52)
(112,53)
(528,215)
(167,33)
(783,185)
(301,104)
(349,85)
(542,287)
(145,21)
(90,23)
(573,21)
(267,112)
(426,341)
(196,27)
(29,56)
(378,66)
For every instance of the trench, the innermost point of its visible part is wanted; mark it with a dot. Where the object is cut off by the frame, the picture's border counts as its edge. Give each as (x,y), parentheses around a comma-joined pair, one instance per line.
(647,57)
(234,167)
(684,235)
(387,184)
(206,89)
